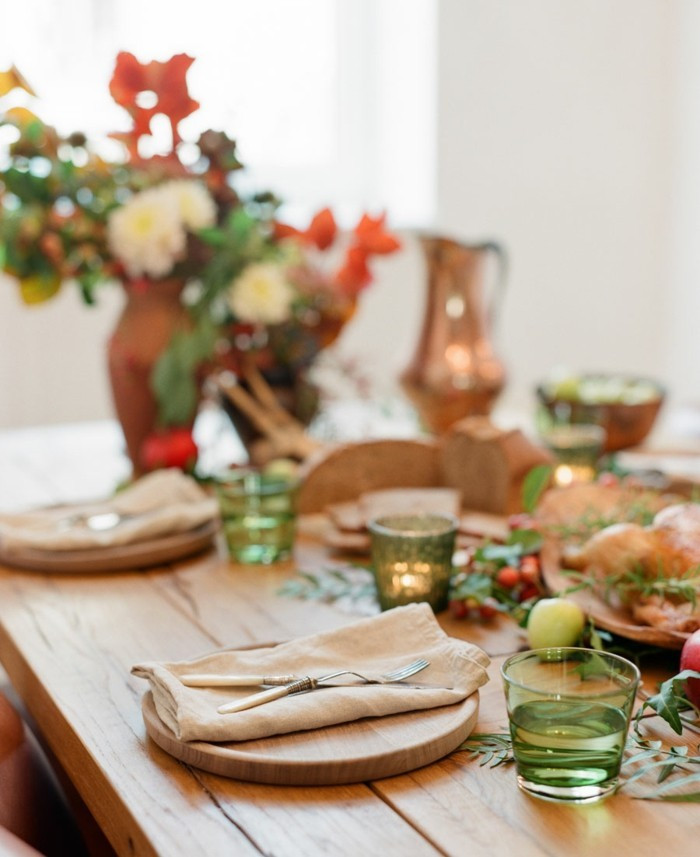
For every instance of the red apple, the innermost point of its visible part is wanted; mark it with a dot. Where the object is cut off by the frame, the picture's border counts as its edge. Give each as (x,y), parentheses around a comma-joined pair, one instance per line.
(690,660)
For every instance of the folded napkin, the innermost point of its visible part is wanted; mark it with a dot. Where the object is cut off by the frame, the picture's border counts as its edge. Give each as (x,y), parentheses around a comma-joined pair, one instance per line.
(162,503)
(370,646)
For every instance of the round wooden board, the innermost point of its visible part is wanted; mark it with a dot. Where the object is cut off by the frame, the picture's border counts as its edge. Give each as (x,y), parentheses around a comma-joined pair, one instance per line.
(364,750)
(117,558)
(606,616)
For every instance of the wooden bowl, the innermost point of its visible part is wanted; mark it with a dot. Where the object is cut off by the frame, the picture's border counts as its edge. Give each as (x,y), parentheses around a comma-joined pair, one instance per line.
(626,423)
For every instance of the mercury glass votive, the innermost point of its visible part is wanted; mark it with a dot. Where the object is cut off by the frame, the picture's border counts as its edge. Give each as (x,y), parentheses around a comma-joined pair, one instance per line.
(412,558)
(577,449)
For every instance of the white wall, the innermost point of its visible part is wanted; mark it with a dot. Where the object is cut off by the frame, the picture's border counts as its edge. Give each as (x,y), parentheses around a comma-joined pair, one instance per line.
(570,132)
(52,357)
(554,123)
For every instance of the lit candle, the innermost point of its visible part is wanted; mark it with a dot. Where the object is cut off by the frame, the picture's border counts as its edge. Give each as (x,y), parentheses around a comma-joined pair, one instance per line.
(412,558)
(577,449)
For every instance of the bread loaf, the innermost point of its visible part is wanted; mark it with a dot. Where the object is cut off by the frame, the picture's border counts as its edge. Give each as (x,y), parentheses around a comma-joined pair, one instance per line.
(487,465)
(344,472)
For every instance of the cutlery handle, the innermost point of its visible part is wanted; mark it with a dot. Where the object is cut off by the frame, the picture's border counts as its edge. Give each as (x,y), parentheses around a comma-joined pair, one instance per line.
(217,680)
(255,699)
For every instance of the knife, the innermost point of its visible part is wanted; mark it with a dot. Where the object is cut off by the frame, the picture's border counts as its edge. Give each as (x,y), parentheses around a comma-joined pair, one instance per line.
(308,683)
(218,680)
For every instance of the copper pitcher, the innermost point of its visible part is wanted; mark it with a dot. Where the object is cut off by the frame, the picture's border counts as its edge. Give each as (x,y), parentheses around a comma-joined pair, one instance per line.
(454,372)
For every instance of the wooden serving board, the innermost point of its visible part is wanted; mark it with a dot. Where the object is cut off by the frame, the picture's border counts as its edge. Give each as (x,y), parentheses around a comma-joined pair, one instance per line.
(131,557)
(364,750)
(617,620)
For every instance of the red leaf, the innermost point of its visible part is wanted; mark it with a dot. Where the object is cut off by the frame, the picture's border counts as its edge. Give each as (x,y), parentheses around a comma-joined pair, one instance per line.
(355,274)
(167,80)
(372,236)
(322,229)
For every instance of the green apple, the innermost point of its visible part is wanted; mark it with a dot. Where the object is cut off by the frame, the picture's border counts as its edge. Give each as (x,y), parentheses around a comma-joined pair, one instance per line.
(555,622)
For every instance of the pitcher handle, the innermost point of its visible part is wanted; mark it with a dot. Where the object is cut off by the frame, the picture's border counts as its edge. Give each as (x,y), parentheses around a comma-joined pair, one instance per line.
(501,277)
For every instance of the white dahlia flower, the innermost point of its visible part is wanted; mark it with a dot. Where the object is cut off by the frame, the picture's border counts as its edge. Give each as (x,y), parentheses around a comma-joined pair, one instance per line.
(261,294)
(194,203)
(146,234)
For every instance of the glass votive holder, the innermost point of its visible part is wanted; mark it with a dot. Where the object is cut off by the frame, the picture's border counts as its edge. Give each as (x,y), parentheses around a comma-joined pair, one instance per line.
(258,515)
(412,558)
(577,448)
(569,711)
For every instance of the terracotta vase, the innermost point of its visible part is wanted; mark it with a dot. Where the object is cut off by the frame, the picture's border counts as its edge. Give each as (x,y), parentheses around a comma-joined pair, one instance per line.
(151,314)
(454,371)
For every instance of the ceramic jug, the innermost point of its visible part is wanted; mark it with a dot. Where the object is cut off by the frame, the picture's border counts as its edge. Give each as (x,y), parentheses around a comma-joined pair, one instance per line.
(454,371)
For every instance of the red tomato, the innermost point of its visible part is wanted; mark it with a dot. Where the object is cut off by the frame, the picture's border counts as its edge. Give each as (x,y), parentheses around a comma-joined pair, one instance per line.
(169,448)
(508,577)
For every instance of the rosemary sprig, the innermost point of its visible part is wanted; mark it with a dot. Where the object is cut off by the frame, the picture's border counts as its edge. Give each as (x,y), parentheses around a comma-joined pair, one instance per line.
(635,582)
(590,522)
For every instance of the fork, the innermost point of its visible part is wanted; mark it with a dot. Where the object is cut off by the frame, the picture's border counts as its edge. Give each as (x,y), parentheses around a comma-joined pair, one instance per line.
(309,683)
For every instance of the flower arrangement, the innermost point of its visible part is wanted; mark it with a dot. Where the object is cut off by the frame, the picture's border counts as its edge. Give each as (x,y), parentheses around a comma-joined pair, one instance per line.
(259,293)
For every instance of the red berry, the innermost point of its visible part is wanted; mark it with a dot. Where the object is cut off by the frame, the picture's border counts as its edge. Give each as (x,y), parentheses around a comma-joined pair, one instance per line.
(528,591)
(530,569)
(508,577)
(488,608)
(170,448)
(458,608)
(520,521)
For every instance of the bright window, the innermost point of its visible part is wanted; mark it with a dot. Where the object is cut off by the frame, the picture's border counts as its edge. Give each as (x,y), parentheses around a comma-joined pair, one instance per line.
(329,100)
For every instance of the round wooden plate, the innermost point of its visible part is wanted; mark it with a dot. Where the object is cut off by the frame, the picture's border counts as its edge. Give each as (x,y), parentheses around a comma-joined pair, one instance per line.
(617,620)
(117,558)
(364,750)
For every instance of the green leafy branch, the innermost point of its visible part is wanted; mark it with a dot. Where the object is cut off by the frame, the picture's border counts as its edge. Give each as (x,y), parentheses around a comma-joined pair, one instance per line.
(494,748)
(332,584)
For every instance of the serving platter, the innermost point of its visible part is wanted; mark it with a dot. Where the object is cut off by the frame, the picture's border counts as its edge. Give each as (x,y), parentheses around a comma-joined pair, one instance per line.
(363,750)
(607,616)
(133,556)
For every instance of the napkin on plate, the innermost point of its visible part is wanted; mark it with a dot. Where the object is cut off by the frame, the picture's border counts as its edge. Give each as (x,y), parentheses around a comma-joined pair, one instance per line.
(371,646)
(162,503)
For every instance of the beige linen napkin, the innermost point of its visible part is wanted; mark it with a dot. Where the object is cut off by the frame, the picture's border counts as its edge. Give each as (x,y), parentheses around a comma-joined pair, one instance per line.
(371,646)
(164,502)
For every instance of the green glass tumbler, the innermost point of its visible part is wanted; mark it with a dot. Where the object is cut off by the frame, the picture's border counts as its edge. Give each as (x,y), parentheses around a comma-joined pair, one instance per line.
(412,558)
(258,515)
(569,711)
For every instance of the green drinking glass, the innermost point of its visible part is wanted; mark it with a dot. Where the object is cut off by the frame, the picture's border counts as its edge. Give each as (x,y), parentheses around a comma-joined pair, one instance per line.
(258,515)
(569,711)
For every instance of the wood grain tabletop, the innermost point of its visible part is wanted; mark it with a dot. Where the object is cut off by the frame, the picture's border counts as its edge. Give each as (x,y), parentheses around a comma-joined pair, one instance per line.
(68,641)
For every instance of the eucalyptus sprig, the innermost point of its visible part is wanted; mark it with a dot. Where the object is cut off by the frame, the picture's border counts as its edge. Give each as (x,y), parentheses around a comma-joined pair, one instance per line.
(494,748)
(354,584)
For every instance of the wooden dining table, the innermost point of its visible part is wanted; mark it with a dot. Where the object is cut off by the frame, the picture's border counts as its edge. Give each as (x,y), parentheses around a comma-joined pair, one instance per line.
(68,642)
